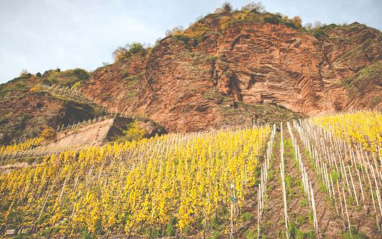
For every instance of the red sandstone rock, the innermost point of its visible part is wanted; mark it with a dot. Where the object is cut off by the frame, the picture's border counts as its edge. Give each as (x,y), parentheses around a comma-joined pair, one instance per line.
(251,63)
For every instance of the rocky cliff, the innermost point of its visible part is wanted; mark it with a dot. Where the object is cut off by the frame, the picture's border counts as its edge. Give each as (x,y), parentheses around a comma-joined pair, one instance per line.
(228,68)
(225,74)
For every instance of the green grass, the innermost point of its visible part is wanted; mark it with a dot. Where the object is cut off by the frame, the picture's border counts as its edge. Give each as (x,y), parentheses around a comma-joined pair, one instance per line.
(251,234)
(289,148)
(335,175)
(304,202)
(364,79)
(289,184)
(354,235)
(247,216)
(215,235)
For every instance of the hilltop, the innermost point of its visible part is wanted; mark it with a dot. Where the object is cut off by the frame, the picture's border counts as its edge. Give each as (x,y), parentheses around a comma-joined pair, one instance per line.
(190,79)
(228,68)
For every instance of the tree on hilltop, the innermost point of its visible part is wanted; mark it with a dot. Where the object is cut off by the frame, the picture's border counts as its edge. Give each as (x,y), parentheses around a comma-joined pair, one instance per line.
(257,7)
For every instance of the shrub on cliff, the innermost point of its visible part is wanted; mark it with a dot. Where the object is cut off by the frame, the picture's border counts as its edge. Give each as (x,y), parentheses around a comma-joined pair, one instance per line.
(195,32)
(175,31)
(297,21)
(48,133)
(65,78)
(25,74)
(182,38)
(136,48)
(255,7)
(225,22)
(218,10)
(255,13)
(80,74)
(319,32)
(227,7)
(122,53)
(46,82)
(35,88)
(273,19)
(178,33)
(134,132)
(290,24)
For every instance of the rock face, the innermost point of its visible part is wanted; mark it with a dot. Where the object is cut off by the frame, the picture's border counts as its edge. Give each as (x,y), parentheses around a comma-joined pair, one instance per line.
(98,132)
(25,115)
(26,108)
(189,85)
(89,135)
(229,68)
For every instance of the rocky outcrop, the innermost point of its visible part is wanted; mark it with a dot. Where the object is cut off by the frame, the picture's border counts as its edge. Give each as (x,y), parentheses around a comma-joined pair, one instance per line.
(230,68)
(99,132)
(26,114)
(189,85)
(90,135)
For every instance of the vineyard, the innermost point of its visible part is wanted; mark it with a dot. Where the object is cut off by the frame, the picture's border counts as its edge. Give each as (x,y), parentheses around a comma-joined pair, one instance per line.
(314,178)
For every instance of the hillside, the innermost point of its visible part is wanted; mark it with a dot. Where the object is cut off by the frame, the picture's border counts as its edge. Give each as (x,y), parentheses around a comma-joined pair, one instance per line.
(314,178)
(228,68)
(27,109)
(244,125)
(258,62)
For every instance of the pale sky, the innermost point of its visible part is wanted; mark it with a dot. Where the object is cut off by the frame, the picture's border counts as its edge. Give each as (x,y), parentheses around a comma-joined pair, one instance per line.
(39,35)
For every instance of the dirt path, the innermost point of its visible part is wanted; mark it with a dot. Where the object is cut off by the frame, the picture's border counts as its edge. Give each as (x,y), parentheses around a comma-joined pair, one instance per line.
(299,211)
(273,224)
(330,224)
(362,217)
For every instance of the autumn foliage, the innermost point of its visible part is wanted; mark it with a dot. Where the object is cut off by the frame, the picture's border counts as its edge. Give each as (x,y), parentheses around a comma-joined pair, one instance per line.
(182,180)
